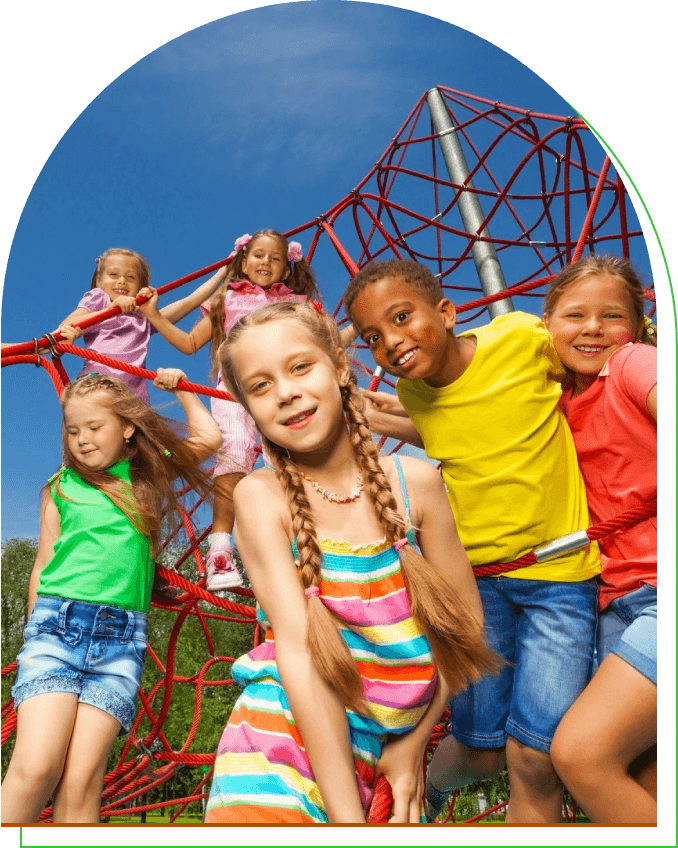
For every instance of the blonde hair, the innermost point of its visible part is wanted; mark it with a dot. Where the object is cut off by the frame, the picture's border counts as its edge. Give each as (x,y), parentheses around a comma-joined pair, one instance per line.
(455,636)
(157,454)
(144,267)
(301,280)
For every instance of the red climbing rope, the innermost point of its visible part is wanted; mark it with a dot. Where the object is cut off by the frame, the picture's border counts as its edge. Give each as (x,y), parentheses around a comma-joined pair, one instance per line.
(548,192)
(623,521)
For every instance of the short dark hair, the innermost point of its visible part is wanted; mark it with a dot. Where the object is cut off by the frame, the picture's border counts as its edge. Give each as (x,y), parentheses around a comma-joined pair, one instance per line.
(418,276)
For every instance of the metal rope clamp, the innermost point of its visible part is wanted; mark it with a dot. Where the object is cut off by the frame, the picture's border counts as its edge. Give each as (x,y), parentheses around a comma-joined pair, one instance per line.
(145,752)
(561,545)
(57,354)
(37,353)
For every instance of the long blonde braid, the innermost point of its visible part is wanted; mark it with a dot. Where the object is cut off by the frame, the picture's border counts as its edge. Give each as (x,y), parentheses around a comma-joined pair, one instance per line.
(455,636)
(329,651)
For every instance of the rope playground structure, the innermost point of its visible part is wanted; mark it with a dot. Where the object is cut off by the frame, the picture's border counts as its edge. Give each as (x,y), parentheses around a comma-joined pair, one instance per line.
(463,180)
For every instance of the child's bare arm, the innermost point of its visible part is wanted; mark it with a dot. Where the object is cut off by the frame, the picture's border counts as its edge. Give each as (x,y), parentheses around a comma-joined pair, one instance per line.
(185,342)
(387,416)
(438,537)
(50,528)
(124,302)
(204,435)
(181,308)
(318,711)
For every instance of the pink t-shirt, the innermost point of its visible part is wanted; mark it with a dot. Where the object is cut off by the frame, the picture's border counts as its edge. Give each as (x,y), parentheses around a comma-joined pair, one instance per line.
(244,297)
(616,441)
(124,337)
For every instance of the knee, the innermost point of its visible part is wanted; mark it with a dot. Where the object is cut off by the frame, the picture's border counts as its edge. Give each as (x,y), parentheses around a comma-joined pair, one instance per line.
(570,760)
(484,763)
(534,768)
(80,783)
(35,775)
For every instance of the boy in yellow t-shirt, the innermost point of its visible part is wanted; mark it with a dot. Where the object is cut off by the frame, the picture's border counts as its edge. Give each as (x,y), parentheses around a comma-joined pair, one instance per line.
(485,404)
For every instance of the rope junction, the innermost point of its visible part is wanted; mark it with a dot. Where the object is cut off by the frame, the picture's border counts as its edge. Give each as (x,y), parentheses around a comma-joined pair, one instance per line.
(547,191)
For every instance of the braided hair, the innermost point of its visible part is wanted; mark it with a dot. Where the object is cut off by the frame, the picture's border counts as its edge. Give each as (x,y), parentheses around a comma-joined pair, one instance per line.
(454,634)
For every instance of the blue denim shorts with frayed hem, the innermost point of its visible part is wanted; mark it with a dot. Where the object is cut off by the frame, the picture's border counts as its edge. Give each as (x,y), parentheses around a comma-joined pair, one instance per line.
(546,631)
(95,651)
(628,628)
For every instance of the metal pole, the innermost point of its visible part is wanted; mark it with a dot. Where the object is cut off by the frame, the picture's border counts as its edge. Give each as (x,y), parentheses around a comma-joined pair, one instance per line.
(484,255)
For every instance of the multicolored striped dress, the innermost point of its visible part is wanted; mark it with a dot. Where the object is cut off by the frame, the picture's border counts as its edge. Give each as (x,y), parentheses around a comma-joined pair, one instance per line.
(262,773)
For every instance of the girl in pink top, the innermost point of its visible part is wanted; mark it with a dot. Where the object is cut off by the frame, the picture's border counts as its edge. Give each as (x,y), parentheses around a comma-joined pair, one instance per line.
(605,746)
(120,275)
(266,268)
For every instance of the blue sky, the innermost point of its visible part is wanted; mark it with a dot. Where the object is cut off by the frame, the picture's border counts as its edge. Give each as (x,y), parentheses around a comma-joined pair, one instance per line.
(264,118)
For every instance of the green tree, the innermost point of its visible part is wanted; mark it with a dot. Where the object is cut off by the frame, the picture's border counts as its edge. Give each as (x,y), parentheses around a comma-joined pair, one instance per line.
(18,557)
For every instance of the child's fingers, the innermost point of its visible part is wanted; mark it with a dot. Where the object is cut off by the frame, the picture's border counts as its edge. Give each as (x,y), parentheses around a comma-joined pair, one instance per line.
(69,333)
(167,378)
(125,303)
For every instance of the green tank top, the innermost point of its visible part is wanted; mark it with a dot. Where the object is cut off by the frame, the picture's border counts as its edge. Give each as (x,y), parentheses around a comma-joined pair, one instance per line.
(99,556)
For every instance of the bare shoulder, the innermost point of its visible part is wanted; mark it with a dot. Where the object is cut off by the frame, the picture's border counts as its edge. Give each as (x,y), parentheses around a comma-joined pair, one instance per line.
(419,473)
(425,487)
(259,497)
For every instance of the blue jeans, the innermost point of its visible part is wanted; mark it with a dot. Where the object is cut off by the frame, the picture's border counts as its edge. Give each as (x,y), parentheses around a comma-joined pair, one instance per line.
(95,651)
(546,632)
(628,628)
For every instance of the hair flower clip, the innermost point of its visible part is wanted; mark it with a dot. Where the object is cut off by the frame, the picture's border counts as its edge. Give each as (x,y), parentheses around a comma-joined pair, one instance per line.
(649,326)
(294,252)
(317,305)
(242,241)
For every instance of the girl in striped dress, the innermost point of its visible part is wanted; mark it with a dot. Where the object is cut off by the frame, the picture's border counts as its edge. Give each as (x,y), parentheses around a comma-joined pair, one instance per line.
(370,638)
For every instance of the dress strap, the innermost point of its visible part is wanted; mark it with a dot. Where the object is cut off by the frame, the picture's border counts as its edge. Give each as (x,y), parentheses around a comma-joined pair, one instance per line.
(403,486)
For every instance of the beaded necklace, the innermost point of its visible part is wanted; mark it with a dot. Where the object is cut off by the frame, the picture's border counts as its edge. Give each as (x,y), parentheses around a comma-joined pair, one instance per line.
(331,496)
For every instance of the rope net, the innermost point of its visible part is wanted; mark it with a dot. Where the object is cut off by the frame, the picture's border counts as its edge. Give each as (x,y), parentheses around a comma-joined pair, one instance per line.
(547,191)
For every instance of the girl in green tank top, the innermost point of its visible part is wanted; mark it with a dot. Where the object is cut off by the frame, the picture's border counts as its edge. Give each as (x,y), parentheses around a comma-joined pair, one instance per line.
(90,588)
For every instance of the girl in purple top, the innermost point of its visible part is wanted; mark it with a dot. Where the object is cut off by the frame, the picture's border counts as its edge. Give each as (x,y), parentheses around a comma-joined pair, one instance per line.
(120,275)
(265,268)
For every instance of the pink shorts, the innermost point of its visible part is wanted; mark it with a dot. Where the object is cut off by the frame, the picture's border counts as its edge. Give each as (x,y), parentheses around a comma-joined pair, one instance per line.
(237,453)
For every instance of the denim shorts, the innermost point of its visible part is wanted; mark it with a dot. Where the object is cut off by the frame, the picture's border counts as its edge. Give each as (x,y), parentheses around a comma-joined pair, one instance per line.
(96,652)
(546,631)
(628,628)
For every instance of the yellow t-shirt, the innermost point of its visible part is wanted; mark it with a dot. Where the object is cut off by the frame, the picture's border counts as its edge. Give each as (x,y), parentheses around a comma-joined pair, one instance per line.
(508,458)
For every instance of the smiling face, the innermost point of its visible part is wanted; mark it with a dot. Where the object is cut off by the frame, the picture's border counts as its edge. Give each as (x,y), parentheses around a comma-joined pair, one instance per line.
(407,336)
(121,275)
(265,261)
(290,385)
(95,435)
(591,319)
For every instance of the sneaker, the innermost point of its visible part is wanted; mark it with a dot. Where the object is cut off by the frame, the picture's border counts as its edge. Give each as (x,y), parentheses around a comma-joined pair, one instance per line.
(164,589)
(221,571)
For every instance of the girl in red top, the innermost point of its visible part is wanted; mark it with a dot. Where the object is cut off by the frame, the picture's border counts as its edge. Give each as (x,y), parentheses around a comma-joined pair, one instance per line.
(595,312)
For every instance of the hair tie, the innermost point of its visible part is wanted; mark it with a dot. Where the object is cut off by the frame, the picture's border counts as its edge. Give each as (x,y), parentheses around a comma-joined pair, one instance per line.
(167,453)
(312,592)
(97,260)
(317,305)
(401,543)
(242,241)
(294,252)
(649,329)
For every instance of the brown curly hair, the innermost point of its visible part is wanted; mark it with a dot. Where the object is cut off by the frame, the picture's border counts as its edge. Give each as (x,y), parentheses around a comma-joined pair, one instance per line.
(455,636)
